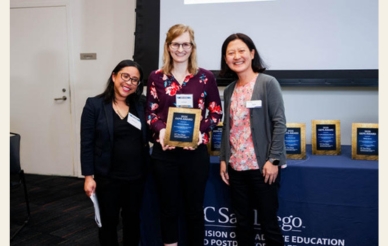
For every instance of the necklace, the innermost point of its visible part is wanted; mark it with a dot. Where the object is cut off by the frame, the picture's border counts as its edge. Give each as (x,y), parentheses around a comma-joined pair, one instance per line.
(180,77)
(117,110)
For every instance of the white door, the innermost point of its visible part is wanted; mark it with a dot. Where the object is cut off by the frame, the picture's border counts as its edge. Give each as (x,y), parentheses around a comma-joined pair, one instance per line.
(39,84)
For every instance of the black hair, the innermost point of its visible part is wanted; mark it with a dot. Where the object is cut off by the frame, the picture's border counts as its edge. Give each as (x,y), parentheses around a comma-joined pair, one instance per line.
(257,63)
(109,93)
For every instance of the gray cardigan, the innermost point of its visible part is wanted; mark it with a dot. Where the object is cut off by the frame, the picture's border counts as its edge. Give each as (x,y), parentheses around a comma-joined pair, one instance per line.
(268,123)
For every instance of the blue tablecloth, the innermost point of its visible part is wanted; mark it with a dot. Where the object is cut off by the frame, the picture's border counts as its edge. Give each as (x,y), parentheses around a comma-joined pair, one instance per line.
(323,200)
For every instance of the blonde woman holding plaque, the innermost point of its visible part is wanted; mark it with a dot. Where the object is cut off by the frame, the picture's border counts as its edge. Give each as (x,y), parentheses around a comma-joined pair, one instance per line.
(181,173)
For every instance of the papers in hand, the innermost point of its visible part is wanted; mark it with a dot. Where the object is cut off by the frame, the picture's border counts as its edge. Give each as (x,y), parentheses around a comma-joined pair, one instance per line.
(97,217)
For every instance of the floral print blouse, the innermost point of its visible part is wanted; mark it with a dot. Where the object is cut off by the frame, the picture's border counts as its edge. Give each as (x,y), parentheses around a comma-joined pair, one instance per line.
(243,155)
(161,94)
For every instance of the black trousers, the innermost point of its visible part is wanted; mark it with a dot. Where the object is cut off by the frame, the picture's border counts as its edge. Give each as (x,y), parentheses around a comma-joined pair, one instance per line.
(185,177)
(114,195)
(249,192)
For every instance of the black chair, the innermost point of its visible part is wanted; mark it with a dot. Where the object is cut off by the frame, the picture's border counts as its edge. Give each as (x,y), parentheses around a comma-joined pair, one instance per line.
(17,171)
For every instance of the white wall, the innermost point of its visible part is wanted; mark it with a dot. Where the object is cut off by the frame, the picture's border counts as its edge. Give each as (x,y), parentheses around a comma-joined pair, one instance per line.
(106,28)
(290,35)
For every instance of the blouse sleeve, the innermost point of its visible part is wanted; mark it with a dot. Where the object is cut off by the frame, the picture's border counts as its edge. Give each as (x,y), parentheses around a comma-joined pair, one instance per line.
(152,106)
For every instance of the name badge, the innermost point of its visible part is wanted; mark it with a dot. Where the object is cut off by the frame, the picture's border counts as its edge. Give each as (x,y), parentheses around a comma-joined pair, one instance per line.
(133,120)
(253,104)
(184,100)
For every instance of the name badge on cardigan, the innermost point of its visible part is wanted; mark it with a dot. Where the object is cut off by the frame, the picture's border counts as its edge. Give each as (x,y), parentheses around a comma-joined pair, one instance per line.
(253,104)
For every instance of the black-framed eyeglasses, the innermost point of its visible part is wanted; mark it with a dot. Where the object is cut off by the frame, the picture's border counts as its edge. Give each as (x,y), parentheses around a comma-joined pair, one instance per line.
(126,77)
(185,46)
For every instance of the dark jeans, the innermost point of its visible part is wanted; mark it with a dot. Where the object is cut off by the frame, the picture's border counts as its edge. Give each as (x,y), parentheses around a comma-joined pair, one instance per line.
(249,192)
(185,177)
(113,195)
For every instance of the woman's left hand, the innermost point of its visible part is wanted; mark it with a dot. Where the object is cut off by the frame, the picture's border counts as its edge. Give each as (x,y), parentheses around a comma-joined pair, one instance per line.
(270,172)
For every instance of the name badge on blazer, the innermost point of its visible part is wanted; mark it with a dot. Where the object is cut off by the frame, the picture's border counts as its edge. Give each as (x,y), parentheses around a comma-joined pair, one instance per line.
(133,120)
(253,104)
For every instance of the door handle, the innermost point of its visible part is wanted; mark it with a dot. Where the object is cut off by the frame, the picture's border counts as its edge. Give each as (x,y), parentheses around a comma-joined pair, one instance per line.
(61,98)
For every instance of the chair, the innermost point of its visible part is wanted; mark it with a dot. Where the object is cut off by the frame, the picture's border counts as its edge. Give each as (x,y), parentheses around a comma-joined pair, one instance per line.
(17,171)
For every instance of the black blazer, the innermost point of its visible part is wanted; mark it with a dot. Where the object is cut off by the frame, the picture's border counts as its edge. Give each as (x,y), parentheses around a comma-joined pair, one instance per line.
(97,135)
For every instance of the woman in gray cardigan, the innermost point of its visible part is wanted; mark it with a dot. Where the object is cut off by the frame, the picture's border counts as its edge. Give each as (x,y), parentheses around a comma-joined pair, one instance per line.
(252,148)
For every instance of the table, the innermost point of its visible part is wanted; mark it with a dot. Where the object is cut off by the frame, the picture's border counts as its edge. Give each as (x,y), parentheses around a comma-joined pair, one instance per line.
(323,200)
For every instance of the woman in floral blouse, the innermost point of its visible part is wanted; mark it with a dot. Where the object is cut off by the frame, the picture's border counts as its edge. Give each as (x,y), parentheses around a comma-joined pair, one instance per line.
(181,173)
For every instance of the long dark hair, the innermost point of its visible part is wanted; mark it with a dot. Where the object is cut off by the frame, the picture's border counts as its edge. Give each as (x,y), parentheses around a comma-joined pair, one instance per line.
(257,63)
(109,92)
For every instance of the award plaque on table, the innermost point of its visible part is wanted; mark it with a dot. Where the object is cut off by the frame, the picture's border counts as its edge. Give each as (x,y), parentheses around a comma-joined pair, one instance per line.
(182,129)
(214,145)
(365,141)
(326,137)
(295,141)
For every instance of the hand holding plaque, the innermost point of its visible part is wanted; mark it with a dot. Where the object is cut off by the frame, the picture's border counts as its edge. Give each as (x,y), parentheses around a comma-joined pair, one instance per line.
(182,129)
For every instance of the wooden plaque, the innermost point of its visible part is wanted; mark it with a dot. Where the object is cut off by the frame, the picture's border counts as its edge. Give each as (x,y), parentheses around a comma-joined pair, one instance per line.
(326,137)
(365,141)
(295,141)
(182,129)
(214,145)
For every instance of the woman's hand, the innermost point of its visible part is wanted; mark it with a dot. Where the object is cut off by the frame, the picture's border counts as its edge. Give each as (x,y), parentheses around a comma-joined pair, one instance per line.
(270,172)
(89,185)
(199,142)
(224,172)
(162,133)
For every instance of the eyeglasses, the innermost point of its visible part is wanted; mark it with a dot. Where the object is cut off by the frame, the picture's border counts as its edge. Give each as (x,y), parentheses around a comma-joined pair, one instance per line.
(185,46)
(126,77)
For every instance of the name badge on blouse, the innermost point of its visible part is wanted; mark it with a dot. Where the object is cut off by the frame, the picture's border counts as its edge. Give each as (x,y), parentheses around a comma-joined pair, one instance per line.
(133,120)
(184,100)
(253,104)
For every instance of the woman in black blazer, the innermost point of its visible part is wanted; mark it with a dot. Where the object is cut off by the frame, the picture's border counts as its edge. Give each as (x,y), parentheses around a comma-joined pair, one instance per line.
(115,152)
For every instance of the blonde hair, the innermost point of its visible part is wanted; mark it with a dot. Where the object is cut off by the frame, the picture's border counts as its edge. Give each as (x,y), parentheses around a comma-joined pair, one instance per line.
(174,32)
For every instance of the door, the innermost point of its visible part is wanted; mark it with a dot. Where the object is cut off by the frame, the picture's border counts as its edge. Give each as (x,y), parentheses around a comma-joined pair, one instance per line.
(40,108)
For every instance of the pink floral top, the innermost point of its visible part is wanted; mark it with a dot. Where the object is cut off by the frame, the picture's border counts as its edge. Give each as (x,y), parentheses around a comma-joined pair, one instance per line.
(243,155)
(161,91)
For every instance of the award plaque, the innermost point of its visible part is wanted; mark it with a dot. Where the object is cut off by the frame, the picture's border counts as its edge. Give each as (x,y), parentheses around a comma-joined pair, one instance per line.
(182,129)
(295,141)
(365,141)
(326,137)
(214,145)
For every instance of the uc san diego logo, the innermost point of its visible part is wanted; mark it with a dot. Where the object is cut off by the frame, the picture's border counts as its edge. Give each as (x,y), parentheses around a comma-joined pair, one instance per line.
(220,226)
